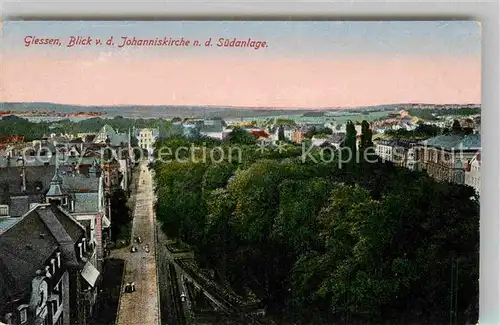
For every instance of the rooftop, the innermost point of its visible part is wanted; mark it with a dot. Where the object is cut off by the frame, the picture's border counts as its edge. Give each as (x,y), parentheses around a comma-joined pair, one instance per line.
(470,142)
(28,244)
(86,202)
(404,143)
(38,179)
(6,223)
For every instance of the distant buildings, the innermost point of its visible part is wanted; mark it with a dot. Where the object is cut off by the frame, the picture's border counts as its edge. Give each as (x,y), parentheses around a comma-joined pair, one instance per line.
(115,139)
(55,222)
(445,157)
(213,128)
(146,139)
(401,152)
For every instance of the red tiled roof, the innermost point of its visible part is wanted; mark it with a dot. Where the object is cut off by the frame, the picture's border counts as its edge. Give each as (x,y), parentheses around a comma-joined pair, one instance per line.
(258,133)
(11,138)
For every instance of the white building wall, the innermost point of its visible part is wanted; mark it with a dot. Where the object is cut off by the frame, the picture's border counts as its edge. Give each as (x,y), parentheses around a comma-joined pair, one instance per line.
(147,138)
(213,135)
(384,152)
(473,177)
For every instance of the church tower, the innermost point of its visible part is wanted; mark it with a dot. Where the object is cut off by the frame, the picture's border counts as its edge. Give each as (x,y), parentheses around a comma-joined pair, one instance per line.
(57,194)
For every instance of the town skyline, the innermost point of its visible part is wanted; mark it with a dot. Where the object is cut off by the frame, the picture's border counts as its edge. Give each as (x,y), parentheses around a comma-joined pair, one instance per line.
(381,105)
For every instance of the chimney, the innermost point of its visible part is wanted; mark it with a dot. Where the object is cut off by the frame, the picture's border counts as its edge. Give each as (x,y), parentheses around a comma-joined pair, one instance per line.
(23,175)
(47,272)
(53,264)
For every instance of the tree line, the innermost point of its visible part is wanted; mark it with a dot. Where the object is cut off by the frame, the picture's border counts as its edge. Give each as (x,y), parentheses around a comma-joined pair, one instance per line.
(13,125)
(323,242)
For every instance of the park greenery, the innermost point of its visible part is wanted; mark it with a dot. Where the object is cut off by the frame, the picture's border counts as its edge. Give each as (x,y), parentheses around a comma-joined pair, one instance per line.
(122,215)
(323,241)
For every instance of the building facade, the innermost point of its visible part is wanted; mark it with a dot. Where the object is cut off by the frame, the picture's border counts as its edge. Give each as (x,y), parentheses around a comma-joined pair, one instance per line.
(400,152)
(147,138)
(445,157)
(473,172)
(49,280)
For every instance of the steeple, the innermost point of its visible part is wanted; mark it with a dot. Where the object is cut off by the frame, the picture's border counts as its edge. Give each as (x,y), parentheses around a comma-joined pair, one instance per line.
(56,189)
(57,193)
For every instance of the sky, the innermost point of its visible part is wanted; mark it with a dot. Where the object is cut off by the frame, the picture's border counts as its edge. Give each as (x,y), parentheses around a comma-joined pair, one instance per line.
(306,64)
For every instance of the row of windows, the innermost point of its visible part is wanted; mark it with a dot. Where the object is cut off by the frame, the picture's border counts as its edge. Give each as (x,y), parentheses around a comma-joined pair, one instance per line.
(474,181)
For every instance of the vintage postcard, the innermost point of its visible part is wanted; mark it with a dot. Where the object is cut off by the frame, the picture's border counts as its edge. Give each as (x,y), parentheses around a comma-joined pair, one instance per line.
(240,172)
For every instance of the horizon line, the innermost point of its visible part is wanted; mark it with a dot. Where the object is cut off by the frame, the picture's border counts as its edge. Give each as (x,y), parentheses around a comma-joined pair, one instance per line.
(242,107)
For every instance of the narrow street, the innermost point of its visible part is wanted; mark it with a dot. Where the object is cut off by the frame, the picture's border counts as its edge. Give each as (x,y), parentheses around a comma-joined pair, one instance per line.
(141,306)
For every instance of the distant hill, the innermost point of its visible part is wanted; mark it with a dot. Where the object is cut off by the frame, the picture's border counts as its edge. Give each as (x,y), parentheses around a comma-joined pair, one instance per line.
(169,111)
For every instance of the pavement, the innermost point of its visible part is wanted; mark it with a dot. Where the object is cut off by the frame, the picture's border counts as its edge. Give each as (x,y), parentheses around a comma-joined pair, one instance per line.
(141,306)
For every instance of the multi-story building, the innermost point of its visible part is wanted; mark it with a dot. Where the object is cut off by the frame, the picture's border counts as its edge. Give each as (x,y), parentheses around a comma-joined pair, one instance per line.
(108,134)
(82,195)
(445,157)
(45,273)
(384,149)
(398,151)
(214,131)
(146,139)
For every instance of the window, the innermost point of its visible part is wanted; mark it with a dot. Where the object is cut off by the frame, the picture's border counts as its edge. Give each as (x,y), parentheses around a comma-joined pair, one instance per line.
(58,291)
(41,299)
(58,256)
(23,315)
(4,210)
(54,305)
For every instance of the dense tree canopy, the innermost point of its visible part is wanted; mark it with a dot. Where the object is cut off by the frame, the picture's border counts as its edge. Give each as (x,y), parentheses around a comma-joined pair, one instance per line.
(322,243)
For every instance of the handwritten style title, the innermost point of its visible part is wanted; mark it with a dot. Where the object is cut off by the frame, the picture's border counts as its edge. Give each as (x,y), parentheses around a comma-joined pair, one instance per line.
(127,41)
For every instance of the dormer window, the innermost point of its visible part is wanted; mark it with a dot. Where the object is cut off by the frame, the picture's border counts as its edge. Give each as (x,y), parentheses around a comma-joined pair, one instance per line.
(23,314)
(47,272)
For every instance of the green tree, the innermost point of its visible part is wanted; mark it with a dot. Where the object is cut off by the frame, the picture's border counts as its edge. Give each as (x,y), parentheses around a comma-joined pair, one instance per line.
(349,147)
(120,215)
(281,133)
(456,128)
(366,149)
(241,136)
